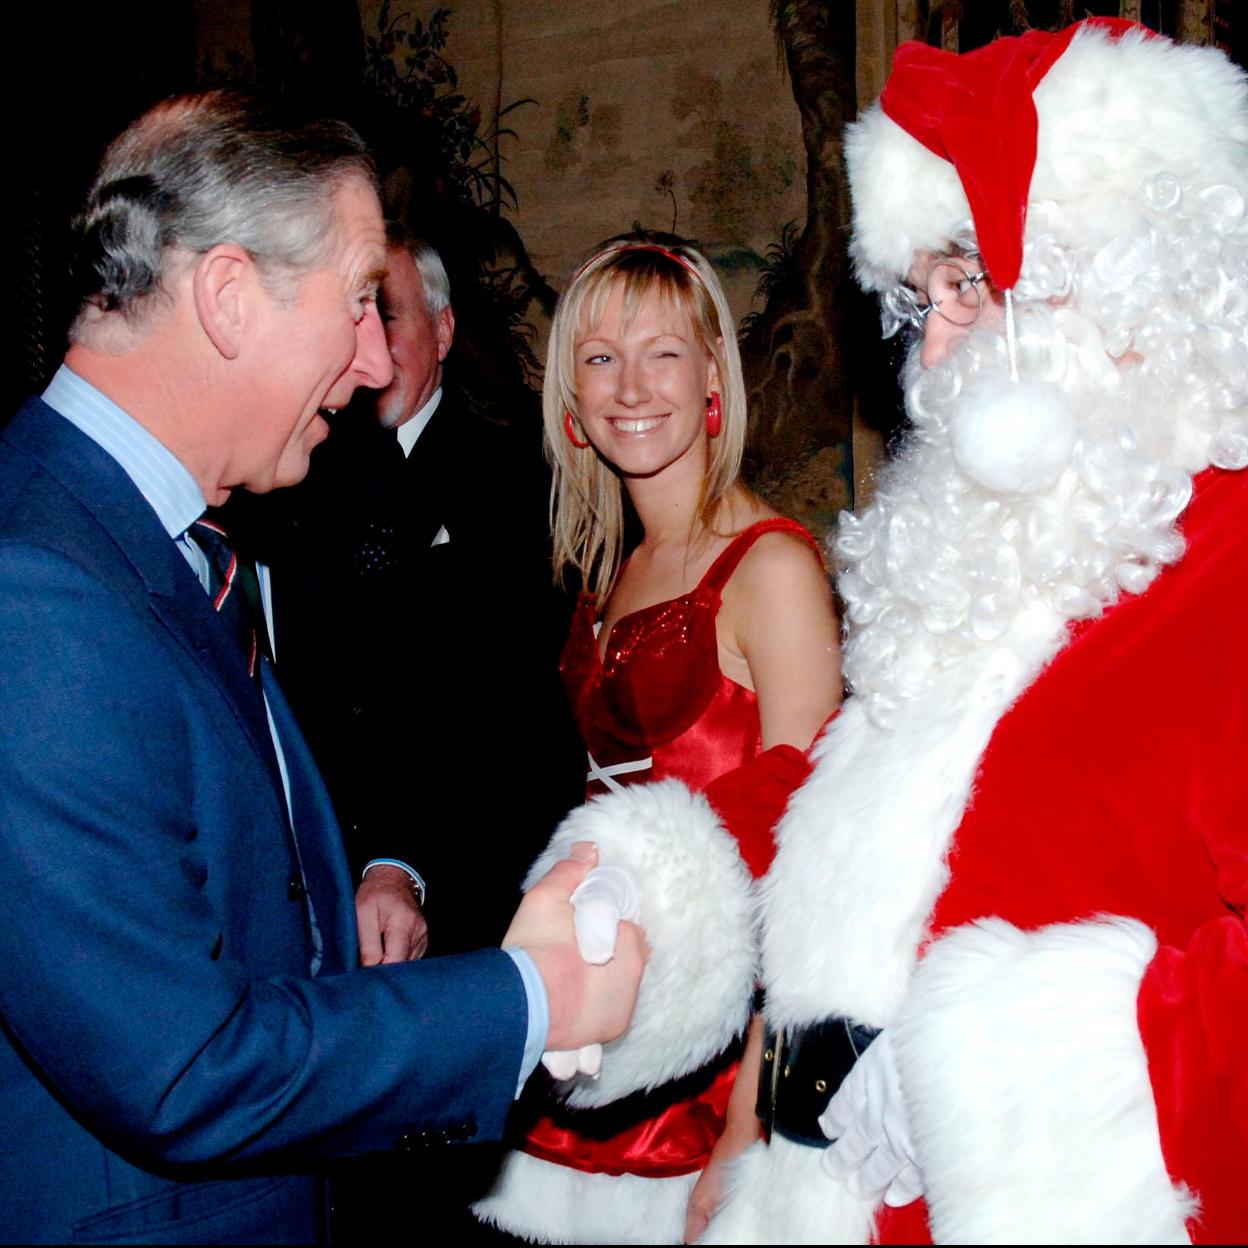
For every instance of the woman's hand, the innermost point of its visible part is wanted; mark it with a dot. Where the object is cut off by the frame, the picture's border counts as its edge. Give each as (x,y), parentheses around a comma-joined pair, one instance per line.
(741,1129)
(707,1194)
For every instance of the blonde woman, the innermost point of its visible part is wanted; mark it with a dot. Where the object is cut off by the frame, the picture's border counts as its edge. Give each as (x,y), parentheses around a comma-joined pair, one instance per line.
(711,655)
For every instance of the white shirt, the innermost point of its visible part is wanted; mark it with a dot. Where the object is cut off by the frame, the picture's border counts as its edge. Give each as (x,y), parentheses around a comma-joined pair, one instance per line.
(414,425)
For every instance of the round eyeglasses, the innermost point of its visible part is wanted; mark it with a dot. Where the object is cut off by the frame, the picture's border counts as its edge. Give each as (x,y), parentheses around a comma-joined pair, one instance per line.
(952,291)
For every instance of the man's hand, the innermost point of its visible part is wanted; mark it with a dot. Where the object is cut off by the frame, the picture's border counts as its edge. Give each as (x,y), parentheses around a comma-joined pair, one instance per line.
(588,1004)
(872,1153)
(392,927)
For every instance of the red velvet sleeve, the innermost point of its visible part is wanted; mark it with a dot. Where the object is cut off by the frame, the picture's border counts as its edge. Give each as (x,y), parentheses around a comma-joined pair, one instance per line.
(751,798)
(1193,1000)
(1193,1016)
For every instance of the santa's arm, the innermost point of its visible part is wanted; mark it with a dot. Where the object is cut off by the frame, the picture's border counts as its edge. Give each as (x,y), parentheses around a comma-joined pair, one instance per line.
(1193,1017)
(1078,1082)
(692,857)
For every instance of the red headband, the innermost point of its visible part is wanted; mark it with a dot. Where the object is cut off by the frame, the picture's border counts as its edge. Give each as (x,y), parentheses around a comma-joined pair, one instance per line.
(976,111)
(663,251)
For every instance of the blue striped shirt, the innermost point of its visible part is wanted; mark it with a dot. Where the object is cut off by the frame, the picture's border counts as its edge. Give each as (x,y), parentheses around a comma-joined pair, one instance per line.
(156,471)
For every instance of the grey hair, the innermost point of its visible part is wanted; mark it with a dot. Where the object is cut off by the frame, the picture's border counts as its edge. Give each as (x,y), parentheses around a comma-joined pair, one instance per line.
(433,279)
(199,170)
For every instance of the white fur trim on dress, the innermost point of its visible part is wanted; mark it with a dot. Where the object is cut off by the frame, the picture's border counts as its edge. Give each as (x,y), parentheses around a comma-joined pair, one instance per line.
(552,1204)
(698,912)
(779,1193)
(1110,116)
(860,856)
(1027,1084)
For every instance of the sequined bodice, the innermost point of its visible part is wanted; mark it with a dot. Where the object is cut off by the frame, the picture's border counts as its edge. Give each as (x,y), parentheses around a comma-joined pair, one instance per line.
(658,693)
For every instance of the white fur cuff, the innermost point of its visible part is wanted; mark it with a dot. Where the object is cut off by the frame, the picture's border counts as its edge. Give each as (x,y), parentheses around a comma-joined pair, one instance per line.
(1027,1085)
(779,1193)
(552,1204)
(697,909)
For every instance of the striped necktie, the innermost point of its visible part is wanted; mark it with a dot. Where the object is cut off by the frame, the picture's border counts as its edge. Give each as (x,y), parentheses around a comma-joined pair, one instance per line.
(234,591)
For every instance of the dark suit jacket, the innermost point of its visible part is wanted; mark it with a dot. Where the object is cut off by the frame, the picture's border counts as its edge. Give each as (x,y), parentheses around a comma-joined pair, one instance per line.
(426,676)
(168,1065)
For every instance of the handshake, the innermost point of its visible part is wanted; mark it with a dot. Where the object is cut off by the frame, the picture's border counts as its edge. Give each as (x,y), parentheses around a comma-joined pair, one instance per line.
(590,964)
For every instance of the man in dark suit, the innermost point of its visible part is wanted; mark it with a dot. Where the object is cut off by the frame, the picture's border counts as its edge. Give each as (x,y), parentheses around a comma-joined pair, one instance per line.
(428,684)
(185,1029)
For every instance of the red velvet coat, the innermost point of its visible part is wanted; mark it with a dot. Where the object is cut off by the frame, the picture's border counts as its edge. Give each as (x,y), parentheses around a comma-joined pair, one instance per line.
(1118,785)
(1037,881)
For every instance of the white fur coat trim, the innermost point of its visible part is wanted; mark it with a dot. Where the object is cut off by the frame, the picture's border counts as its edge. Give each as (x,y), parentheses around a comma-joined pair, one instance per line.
(861,850)
(697,907)
(779,1193)
(1028,1090)
(557,1205)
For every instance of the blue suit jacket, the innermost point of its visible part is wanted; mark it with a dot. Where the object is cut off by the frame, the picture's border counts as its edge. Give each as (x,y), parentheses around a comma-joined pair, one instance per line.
(169,1068)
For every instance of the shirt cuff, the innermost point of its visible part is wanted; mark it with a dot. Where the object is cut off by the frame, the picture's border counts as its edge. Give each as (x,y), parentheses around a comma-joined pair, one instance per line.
(539,1013)
(417,883)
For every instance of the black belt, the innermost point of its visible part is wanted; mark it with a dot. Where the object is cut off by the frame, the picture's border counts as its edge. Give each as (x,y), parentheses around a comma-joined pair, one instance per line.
(802,1069)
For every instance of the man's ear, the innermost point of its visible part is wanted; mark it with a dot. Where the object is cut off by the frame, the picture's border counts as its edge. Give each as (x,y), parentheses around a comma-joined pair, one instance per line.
(444,327)
(221,281)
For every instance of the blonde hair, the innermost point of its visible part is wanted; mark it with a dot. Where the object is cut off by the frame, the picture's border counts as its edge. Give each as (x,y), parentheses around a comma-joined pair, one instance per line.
(587,504)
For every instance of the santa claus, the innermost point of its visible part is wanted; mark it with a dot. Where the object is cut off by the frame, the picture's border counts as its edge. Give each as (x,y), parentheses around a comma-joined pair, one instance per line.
(1003,940)
(1022,860)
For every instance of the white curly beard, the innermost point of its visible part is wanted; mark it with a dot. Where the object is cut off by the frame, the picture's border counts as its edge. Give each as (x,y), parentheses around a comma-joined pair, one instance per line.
(1073,513)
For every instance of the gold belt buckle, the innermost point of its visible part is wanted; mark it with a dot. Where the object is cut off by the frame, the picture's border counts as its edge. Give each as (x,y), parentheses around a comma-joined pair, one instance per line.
(771,1073)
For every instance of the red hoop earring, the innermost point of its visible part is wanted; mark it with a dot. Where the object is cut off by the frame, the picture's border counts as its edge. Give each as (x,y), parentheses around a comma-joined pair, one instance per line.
(714,415)
(571,432)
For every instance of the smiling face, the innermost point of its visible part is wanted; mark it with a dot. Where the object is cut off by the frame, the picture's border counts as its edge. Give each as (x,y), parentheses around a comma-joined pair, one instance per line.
(319,345)
(642,384)
(418,342)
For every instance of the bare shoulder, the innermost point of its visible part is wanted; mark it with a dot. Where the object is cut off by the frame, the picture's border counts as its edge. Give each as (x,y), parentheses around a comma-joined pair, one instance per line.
(779,636)
(781,563)
(779,593)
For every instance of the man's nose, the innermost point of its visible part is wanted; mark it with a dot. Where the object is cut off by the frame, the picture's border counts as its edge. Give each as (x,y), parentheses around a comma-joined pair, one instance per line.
(372,361)
(937,332)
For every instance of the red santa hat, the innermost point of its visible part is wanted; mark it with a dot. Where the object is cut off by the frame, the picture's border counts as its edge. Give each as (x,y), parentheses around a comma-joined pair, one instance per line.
(1079,118)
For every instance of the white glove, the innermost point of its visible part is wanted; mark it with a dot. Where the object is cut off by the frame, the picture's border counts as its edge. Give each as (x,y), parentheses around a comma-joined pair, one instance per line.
(872,1153)
(606,897)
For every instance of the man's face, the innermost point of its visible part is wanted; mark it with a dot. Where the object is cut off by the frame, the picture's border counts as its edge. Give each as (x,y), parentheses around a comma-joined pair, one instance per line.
(940,334)
(418,343)
(318,346)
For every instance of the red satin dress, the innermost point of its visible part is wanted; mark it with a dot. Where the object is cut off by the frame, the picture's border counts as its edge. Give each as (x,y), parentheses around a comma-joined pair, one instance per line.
(656,706)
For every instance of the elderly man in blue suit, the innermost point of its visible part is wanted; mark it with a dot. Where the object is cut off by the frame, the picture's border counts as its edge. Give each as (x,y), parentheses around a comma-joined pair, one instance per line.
(186,1032)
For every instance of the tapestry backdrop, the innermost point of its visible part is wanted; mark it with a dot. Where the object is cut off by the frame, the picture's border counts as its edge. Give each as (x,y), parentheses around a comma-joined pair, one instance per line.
(518,133)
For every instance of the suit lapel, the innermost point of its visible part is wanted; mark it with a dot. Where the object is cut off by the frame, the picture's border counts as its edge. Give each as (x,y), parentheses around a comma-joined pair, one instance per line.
(123,542)
(324,869)
(133,554)
(430,470)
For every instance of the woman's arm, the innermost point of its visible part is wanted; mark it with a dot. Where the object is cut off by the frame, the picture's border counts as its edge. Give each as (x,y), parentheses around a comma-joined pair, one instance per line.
(741,1129)
(779,636)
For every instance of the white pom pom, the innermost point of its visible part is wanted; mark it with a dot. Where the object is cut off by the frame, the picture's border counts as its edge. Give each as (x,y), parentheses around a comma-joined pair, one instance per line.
(1013,437)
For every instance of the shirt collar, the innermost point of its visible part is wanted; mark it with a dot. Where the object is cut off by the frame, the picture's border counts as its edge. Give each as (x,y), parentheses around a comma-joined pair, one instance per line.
(411,429)
(157,473)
